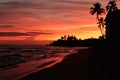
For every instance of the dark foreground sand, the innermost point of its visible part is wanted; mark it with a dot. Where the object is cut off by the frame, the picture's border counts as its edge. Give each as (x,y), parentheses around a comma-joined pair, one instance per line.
(87,64)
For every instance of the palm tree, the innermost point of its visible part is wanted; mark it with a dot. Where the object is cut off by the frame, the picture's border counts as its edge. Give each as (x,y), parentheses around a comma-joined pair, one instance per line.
(97,9)
(111,6)
(101,25)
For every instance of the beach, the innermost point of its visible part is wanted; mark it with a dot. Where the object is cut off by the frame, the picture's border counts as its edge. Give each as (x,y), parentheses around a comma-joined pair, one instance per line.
(86,64)
(73,67)
(18,61)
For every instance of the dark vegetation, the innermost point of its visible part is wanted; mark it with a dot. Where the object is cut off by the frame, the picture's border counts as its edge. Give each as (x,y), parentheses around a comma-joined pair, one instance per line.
(73,41)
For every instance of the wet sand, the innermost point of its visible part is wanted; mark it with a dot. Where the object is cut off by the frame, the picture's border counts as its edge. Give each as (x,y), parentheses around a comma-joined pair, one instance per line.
(26,68)
(87,64)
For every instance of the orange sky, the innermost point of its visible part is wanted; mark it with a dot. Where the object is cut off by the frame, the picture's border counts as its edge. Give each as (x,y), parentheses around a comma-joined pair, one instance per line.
(47,19)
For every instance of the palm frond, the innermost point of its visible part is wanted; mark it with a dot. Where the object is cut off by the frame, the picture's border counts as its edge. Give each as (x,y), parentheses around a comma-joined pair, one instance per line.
(111,6)
(92,12)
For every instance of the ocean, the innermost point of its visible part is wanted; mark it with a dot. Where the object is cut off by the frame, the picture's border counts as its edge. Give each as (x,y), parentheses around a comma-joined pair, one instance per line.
(17,61)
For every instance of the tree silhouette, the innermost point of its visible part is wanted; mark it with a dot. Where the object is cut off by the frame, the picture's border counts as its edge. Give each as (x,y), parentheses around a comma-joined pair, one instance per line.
(112,19)
(111,6)
(62,38)
(101,25)
(97,9)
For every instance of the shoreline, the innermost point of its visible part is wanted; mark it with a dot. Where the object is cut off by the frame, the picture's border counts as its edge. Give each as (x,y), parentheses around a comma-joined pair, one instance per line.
(98,63)
(35,63)
(27,68)
(48,65)
(41,67)
(65,68)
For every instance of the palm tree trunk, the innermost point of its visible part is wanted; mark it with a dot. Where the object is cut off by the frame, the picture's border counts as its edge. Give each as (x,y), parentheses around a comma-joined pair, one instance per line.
(101,31)
(97,16)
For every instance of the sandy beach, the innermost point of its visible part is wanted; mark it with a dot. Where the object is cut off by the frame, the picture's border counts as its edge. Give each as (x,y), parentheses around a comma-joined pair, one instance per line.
(75,66)
(87,64)
(24,60)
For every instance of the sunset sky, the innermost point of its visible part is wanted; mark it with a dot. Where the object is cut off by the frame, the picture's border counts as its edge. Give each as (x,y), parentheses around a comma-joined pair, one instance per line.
(48,19)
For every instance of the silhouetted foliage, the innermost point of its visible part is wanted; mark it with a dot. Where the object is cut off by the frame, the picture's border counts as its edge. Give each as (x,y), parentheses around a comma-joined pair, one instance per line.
(101,24)
(73,41)
(112,22)
(111,6)
(112,25)
(97,9)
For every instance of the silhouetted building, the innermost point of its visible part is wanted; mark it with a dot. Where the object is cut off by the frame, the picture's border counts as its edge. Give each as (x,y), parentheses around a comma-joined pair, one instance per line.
(113,26)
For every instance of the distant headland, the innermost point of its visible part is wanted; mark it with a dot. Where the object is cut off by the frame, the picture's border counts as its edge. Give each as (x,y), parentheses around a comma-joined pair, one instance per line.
(71,41)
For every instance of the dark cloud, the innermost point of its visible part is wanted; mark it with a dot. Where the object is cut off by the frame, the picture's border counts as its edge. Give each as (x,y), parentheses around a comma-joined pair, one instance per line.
(15,4)
(26,11)
(47,4)
(25,5)
(36,33)
(75,2)
(6,25)
(23,33)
